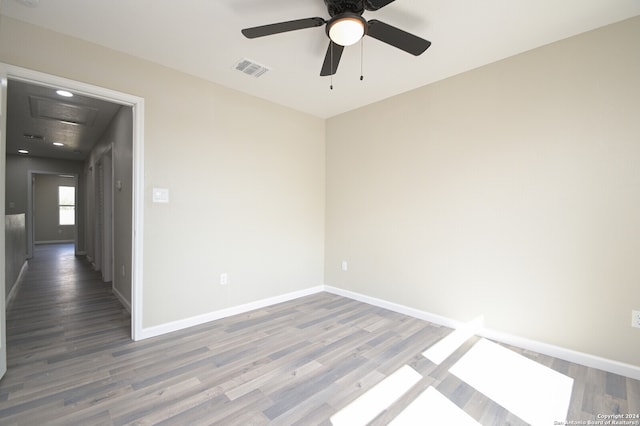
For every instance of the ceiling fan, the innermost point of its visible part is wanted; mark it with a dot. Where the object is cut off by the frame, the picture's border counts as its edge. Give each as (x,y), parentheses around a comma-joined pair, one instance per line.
(347,27)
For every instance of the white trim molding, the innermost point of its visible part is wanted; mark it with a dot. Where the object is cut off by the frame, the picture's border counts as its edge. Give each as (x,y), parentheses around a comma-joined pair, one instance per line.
(122,299)
(570,355)
(224,313)
(581,358)
(16,284)
(395,307)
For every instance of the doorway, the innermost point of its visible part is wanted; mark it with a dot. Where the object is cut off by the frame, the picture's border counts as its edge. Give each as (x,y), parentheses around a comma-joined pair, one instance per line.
(10,73)
(50,219)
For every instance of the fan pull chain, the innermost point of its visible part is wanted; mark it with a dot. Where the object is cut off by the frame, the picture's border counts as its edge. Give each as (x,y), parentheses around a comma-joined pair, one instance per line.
(331,70)
(361,58)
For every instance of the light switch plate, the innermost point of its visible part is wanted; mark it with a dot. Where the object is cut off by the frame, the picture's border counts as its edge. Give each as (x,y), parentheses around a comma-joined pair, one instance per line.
(635,319)
(160,195)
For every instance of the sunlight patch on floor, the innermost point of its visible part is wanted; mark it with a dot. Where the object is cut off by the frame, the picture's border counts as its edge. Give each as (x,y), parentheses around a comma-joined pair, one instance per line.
(377,399)
(450,343)
(531,391)
(433,408)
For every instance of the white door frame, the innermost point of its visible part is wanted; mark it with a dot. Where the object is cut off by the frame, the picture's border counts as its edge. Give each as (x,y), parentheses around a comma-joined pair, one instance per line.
(98,214)
(107,237)
(3,167)
(137,105)
(30,229)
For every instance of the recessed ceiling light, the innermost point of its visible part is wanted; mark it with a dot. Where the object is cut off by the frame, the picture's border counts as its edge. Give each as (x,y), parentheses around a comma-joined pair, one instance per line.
(23,151)
(58,144)
(64,93)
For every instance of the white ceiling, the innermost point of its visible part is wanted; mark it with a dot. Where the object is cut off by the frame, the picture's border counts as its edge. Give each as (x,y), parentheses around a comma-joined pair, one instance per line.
(202,38)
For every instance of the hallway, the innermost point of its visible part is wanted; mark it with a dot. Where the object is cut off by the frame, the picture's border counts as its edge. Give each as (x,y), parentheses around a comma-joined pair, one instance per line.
(62,317)
(62,306)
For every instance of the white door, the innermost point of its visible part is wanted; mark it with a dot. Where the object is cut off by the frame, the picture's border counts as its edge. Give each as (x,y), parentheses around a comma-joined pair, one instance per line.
(3,167)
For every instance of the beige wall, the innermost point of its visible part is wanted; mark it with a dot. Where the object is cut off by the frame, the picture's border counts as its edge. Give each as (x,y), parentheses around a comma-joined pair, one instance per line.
(511,191)
(246,179)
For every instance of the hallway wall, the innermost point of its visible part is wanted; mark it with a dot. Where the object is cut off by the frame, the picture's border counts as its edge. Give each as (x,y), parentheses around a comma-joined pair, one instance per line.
(117,137)
(17,185)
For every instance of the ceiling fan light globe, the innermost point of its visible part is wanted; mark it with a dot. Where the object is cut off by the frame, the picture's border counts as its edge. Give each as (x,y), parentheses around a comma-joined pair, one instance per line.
(346,31)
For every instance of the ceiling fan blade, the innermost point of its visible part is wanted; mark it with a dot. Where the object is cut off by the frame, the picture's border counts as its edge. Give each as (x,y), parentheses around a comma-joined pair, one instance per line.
(330,65)
(376,4)
(397,37)
(282,27)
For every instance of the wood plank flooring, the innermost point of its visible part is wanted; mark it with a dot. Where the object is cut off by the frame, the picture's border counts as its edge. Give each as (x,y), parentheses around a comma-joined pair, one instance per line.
(71,361)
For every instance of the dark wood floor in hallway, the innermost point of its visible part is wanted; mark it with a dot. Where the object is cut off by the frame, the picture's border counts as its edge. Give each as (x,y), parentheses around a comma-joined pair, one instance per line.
(71,361)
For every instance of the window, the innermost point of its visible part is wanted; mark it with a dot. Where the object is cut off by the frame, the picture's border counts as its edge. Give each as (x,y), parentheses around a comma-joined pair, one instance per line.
(67,205)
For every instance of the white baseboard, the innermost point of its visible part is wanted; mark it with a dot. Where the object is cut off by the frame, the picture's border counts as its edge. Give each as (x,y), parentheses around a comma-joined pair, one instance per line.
(122,299)
(585,359)
(223,313)
(401,309)
(16,284)
(570,355)
(53,242)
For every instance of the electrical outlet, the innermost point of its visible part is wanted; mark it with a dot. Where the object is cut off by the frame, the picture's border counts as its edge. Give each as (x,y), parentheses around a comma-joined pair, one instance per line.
(635,319)
(224,279)
(345,265)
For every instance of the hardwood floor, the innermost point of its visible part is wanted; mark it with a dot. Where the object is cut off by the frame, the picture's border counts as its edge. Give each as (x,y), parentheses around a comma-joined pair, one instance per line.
(71,361)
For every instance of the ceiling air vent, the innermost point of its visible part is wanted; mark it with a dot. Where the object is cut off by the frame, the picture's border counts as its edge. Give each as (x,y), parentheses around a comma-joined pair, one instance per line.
(251,68)
(33,137)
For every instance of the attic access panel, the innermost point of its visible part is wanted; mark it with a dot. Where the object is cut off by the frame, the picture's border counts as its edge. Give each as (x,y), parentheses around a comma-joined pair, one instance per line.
(50,109)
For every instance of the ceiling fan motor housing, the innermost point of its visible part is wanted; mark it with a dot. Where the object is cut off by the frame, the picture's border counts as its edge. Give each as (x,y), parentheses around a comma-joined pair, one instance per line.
(376,4)
(338,7)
